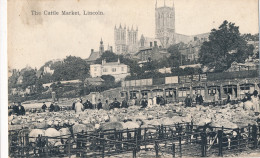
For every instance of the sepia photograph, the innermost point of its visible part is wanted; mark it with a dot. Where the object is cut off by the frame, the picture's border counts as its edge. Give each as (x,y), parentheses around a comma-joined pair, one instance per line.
(139,78)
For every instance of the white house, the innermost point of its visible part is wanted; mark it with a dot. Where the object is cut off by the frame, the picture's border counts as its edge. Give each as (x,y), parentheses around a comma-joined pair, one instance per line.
(116,69)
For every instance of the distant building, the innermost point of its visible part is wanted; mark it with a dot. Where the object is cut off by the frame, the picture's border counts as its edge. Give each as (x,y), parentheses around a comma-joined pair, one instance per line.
(244,66)
(151,53)
(165,24)
(116,69)
(94,55)
(126,41)
(96,81)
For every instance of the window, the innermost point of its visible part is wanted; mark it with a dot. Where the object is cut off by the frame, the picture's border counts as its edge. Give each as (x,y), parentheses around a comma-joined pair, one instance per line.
(183,92)
(122,68)
(95,69)
(104,70)
(113,69)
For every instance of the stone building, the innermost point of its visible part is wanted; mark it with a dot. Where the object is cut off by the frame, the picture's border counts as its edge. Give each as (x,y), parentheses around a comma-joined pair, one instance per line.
(120,39)
(94,55)
(126,41)
(116,69)
(165,24)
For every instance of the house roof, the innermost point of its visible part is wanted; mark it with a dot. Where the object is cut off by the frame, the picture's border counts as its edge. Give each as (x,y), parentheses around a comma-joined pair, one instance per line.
(93,56)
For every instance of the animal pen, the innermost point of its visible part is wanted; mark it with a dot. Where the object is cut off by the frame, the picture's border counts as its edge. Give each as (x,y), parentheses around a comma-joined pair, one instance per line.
(178,140)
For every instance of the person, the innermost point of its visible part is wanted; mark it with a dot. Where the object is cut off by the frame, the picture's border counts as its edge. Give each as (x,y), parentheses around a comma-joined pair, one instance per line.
(158,100)
(78,106)
(255,101)
(19,110)
(115,104)
(228,98)
(162,101)
(154,100)
(124,104)
(12,106)
(144,103)
(88,105)
(188,101)
(44,107)
(56,107)
(199,99)
(11,109)
(106,105)
(150,102)
(73,104)
(99,105)
(51,107)
(246,97)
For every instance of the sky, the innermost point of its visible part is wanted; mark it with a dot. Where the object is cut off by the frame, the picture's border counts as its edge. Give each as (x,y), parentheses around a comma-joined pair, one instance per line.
(36,39)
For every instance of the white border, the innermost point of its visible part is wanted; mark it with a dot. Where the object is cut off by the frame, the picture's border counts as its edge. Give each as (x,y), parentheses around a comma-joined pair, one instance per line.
(3,79)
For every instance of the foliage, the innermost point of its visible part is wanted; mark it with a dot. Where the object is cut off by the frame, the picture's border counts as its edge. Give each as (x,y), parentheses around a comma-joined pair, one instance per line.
(185,71)
(72,68)
(250,37)
(29,78)
(176,58)
(225,46)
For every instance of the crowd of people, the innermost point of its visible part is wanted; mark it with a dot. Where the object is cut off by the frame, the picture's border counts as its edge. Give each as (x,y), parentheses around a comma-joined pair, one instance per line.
(16,109)
(79,106)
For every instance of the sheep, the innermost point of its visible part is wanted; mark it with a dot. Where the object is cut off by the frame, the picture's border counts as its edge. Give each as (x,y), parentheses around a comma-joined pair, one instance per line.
(34,134)
(53,134)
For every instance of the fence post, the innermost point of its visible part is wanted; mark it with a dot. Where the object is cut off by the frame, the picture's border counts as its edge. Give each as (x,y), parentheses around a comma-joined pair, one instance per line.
(69,148)
(203,144)
(103,148)
(145,139)
(179,135)
(47,147)
(156,149)
(254,135)
(220,140)
(134,152)
(173,150)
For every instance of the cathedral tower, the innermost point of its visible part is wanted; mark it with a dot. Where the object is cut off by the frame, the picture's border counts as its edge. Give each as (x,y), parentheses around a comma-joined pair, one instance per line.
(120,40)
(132,40)
(165,24)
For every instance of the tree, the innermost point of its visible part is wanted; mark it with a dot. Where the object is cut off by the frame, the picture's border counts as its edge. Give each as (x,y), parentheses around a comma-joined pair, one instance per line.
(72,68)
(225,46)
(176,58)
(29,78)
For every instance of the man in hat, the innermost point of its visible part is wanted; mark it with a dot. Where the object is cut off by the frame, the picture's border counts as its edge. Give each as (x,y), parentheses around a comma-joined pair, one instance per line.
(255,101)
(52,107)
(56,107)
(188,101)
(79,107)
(44,107)
(99,105)
(124,104)
(88,105)
(19,110)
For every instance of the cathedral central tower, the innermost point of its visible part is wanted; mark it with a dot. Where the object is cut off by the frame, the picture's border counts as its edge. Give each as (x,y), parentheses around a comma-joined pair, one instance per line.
(165,24)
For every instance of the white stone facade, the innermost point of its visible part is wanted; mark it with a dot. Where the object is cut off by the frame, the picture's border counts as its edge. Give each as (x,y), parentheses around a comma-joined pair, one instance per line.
(116,69)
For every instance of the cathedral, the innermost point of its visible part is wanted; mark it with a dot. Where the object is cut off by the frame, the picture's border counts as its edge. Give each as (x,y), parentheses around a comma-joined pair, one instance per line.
(165,24)
(126,41)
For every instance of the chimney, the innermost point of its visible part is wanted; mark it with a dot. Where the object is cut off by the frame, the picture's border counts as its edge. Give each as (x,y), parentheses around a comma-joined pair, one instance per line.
(151,44)
(155,43)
